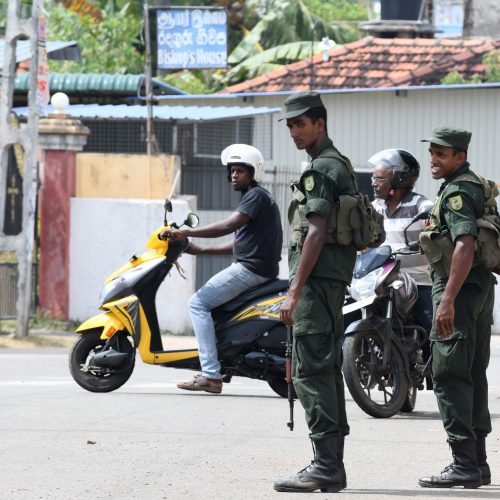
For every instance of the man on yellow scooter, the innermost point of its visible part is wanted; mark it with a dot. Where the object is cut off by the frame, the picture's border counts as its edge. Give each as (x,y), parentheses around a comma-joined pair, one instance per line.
(256,247)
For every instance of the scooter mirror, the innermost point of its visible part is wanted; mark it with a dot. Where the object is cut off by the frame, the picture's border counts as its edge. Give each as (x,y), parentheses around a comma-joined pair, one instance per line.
(168,208)
(192,220)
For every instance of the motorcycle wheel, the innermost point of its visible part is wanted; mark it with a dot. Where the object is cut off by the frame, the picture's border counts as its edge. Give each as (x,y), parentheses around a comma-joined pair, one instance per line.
(378,392)
(93,381)
(410,400)
(280,387)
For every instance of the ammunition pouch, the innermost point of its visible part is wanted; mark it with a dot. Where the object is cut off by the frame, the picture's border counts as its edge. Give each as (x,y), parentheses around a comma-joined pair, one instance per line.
(353,221)
(297,217)
(438,248)
(347,204)
(358,223)
(488,242)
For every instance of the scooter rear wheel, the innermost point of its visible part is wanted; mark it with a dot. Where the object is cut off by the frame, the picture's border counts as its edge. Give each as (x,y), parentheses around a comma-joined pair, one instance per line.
(94,380)
(379,392)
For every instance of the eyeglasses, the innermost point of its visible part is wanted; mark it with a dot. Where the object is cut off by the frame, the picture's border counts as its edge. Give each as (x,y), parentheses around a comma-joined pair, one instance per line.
(379,180)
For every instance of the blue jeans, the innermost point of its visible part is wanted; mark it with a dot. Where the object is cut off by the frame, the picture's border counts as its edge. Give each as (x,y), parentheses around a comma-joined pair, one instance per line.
(219,289)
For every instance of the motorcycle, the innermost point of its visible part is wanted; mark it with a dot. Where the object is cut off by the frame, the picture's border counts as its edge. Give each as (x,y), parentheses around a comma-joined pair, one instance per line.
(250,336)
(383,361)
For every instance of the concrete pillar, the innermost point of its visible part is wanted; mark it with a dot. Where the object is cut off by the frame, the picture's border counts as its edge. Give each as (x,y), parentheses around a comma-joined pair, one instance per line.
(60,138)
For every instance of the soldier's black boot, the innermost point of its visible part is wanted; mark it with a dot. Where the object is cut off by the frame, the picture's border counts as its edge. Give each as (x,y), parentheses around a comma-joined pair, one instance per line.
(463,471)
(323,474)
(340,458)
(481,460)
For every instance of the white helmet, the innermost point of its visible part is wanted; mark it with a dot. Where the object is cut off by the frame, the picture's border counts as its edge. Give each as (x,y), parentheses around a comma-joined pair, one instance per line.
(248,155)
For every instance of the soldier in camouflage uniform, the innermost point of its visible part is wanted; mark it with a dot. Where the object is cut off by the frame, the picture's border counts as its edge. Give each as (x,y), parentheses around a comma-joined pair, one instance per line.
(319,271)
(463,299)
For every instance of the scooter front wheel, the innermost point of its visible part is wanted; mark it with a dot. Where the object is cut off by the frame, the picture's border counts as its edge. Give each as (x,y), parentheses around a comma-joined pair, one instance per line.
(91,377)
(379,391)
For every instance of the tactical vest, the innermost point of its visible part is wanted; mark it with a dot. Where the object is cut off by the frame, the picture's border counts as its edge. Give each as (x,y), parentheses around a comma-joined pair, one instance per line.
(352,221)
(436,242)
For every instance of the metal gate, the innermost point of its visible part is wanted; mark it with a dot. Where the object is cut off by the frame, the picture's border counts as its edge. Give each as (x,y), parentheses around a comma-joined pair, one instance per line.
(8,290)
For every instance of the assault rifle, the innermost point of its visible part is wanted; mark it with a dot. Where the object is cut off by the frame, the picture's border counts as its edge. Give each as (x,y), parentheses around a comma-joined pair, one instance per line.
(288,373)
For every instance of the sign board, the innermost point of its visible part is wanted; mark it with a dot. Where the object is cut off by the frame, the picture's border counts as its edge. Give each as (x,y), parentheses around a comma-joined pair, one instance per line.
(191,37)
(42,84)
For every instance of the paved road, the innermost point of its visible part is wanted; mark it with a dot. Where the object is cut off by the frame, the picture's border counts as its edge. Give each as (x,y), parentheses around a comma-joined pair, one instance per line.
(149,440)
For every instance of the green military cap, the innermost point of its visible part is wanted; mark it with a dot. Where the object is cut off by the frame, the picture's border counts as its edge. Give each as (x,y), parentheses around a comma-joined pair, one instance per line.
(451,137)
(298,104)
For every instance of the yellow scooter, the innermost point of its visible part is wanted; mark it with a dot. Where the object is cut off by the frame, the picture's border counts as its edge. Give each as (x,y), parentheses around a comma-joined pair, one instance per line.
(250,336)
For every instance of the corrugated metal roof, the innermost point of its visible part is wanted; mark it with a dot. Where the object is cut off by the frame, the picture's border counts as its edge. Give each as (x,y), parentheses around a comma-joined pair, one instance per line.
(23,49)
(164,100)
(184,113)
(104,83)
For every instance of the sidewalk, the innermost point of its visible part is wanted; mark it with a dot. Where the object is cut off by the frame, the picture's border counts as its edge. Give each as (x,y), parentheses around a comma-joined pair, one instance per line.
(51,338)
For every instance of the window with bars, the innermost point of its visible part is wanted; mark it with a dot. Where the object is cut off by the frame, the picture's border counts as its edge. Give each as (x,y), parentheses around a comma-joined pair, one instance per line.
(126,136)
(210,138)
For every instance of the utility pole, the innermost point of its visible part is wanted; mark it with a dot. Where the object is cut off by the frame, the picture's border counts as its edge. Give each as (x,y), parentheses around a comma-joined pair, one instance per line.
(148,83)
(27,137)
(468,18)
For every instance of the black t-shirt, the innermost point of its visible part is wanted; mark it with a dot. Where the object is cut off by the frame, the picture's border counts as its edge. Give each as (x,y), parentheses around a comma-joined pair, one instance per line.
(257,244)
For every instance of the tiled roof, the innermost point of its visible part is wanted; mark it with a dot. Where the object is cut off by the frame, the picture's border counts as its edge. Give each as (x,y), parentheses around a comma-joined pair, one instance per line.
(378,62)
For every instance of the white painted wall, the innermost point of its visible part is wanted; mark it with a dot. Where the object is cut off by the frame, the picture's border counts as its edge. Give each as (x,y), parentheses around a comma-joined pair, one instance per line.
(105,233)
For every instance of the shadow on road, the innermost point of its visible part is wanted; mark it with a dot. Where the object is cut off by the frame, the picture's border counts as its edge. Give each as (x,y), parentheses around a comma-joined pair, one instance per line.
(491,491)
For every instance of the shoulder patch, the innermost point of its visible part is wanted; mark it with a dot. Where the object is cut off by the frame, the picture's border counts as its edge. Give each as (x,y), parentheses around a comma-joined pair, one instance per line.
(456,202)
(309,183)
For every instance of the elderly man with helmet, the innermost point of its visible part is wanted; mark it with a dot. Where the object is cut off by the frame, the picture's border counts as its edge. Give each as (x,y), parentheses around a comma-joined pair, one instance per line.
(394,174)
(256,247)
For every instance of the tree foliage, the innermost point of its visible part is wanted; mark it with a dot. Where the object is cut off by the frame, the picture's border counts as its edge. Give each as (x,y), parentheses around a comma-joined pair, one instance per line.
(284,31)
(25,11)
(455,78)
(491,74)
(269,60)
(492,62)
(262,36)
(192,82)
(338,10)
(106,47)
(285,22)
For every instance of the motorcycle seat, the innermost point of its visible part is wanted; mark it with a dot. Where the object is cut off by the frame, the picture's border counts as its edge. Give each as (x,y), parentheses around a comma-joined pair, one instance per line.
(272,286)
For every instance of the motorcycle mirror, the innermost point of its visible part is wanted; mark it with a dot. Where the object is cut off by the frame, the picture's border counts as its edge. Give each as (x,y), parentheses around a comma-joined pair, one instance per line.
(414,246)
(420,216)
(192,220)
